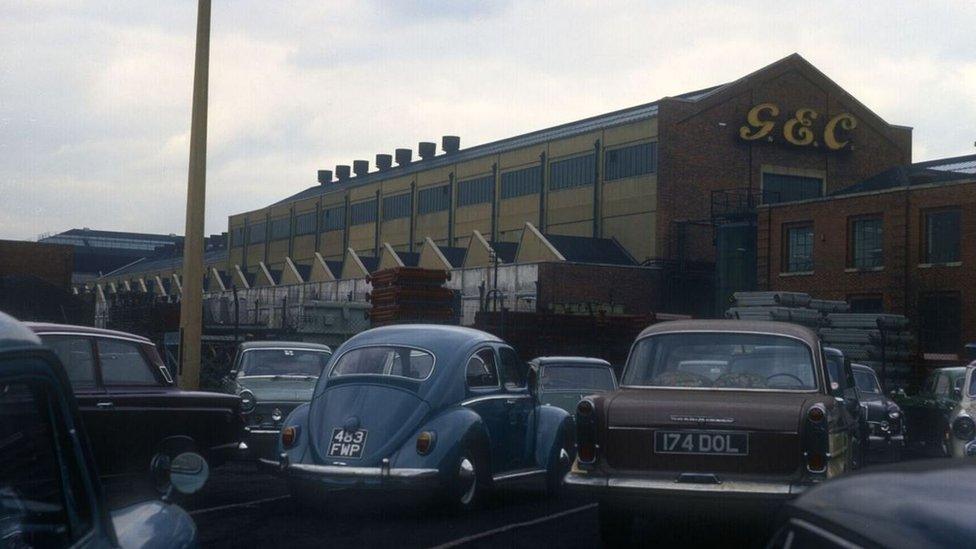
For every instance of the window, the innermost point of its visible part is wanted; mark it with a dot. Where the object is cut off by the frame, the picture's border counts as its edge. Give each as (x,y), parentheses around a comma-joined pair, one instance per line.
(362,212)
(869,303)
(123,363)
(866,243)
(282,362)
(334,219)
(237,236)
(434,199)
(481,371)
(513,369)
(787,188)
(40,471)
(942,236)
(574,378)
(942,385)
(630,161)
(798,253)
(572,172)
(397,206)
(76,355)
(280,229)
(256,232)
(521,182)
(305,223)
(941,318)
(476,191)
(385,361)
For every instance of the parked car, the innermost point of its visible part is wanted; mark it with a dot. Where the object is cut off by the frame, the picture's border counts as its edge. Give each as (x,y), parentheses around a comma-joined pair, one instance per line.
(562,381)
(716,415)
(272,378)
(886,425)
(940,415)
(431,409)
(132,409)
(912,504)
(50,494)
(844,388)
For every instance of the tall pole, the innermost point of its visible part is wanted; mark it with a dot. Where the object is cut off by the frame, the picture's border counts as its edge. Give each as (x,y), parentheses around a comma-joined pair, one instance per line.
(191,307)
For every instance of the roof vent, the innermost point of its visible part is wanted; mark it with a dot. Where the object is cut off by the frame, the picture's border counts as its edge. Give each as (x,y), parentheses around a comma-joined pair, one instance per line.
(325,177)
(450,144)
(361,167)
(384,161)
(426,149)
(342,172)
(403,156)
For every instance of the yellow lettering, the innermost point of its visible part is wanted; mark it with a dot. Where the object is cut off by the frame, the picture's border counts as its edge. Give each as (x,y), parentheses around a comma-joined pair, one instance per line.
(800,136)
(758,128)
(847,122)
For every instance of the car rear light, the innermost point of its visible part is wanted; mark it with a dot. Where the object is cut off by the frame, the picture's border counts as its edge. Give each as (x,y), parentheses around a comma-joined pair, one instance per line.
(425,442)
(963,428)
(816,462)
(586,432)
(584,408)
(816,413)
(587,452)
(289,436)
(816,439)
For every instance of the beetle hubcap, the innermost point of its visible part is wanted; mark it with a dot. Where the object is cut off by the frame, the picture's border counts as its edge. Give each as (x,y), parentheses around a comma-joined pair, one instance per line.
(468,480)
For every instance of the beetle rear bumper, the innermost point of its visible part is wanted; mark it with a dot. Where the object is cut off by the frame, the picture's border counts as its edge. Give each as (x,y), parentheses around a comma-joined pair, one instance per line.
(360,478)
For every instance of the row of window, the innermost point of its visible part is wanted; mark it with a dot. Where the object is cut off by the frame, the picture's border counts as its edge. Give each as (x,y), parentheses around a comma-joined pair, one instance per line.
(572,172)
(941,239)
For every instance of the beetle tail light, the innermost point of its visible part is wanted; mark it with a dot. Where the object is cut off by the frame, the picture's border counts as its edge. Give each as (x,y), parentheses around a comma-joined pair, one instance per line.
(425,442)
(816,413)
(289,436)
(586,445)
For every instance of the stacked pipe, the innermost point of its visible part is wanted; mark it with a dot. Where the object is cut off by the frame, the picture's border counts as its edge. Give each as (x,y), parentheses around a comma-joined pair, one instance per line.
(779,306)
(411,294)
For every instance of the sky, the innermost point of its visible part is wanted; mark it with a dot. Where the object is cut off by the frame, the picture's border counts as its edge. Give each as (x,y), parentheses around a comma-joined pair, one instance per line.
(95,96)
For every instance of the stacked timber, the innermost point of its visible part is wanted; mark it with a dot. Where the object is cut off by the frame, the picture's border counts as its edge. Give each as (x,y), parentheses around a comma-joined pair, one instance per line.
(409,295)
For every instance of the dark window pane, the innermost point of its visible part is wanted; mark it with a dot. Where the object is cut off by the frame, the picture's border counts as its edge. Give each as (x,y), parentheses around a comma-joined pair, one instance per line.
(476,191)
(334,219)
(630,161)
(305,223)
(123,364)
(397,206)
(942,236)
(572,172)
(237,236)
(256,232)
(521,182)
(280,229)
(867,245)
(799,249)
(940,321)
(513,369)
(866,304)
(434,199)
(481,370)
(787,188)
(76,355)
(362,212)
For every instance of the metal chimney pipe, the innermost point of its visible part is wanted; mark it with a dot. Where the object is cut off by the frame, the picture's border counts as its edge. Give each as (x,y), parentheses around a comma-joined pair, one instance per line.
(325,177)
(342,172)
(426,149)
(403,156)
(361,167)
(384,161)
(450,144)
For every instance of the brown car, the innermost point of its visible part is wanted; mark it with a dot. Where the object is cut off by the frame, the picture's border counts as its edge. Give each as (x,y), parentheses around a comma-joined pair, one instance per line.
(724,413)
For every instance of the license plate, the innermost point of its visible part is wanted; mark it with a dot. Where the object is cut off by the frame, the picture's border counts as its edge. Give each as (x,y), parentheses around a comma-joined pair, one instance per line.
(347,444)
(721,443)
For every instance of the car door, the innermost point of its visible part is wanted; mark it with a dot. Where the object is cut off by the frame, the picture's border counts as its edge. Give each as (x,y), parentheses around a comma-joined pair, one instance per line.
(486,398)
(848,406)
(520,409)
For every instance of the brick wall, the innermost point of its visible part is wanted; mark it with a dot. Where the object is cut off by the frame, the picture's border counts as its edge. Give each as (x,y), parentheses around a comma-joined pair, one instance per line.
(638,290)
(49,262)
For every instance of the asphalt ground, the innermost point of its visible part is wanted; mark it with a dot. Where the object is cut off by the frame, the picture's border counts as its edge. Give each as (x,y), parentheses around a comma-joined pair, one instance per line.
(241,507)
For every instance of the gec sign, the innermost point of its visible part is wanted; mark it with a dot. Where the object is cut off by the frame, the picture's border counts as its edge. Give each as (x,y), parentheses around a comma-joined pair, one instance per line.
(799,130)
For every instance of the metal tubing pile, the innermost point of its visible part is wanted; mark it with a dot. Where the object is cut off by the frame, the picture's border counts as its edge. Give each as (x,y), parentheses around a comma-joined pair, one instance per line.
(411,294)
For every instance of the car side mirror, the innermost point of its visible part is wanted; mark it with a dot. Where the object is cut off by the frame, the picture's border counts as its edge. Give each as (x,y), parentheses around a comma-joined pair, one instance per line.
(232,374)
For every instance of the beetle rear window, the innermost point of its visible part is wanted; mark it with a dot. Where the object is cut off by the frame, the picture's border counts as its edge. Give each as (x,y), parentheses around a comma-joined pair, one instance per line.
(385,361)
(721,361)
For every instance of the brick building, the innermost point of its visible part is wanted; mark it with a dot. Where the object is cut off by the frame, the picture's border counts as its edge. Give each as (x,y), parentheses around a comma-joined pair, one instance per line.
(901,242)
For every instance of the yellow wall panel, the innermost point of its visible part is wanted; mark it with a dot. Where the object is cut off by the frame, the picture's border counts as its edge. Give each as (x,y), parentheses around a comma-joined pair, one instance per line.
(627,133)
(637,233)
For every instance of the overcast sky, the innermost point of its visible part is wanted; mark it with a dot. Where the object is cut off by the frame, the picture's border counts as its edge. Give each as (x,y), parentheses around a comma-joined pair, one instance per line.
(95,96)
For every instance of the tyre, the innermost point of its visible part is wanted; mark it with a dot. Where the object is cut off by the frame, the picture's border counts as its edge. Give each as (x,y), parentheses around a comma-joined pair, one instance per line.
(560,460)
(468,485)
(616,525)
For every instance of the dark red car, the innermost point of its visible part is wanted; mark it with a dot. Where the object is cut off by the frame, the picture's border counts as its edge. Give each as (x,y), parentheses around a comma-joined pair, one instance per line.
(132,409)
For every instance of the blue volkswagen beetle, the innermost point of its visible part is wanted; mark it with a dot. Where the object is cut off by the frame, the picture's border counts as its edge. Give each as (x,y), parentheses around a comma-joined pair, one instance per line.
(440,410)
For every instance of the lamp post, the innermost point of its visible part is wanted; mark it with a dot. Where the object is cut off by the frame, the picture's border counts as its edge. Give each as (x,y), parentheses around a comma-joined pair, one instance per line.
(191,306)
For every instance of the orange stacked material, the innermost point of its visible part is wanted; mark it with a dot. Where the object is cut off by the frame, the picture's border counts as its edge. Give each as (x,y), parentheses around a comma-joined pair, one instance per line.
(411,294)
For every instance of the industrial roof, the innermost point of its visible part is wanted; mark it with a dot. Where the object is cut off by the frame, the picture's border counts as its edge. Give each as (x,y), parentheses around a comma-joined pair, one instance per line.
(584,249)
(921,173)
(409,259)
(506,250)
(119,234)
(454,255)
(959,164)
(145,265)
(615,118)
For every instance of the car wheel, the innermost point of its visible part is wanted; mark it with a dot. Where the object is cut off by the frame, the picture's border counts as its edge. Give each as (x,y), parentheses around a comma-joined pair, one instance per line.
(468,485)
(560,459)
(616,525)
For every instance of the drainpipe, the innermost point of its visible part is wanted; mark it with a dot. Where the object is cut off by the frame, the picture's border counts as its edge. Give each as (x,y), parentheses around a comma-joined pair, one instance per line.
(291,231)
(596,189)
(450,209)
(318,225)
(413,210)
(494,202)
(267,235)
(345,225)
(247,241)
(542,192)
(377,224)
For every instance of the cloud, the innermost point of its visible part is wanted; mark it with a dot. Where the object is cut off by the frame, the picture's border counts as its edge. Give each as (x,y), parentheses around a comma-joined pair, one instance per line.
(95,97)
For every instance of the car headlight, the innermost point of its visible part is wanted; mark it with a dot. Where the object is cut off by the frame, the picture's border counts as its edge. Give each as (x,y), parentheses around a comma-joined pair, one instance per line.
(964,428)
(894,414)
(971,449)
(248,402)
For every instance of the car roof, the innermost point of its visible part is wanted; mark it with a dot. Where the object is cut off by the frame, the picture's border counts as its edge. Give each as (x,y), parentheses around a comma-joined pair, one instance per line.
(863,367)
(283,345)
(45,328)
(919,503)
(438,338)
(733,326)
(15,335)
(570,361)
(954,370)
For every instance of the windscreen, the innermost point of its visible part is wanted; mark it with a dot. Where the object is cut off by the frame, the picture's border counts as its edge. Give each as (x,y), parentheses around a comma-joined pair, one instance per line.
(385,361)
(557,377)
(283,362)
(721,361)
(867,382)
